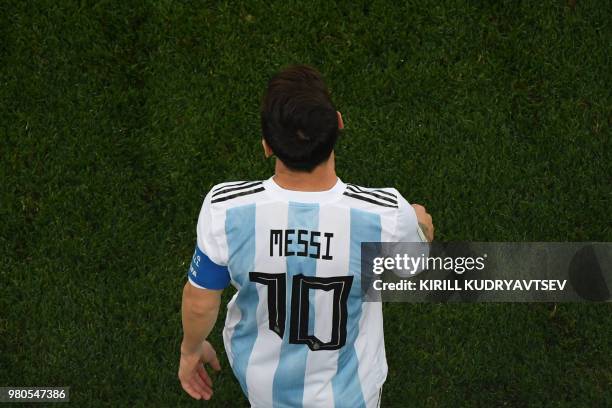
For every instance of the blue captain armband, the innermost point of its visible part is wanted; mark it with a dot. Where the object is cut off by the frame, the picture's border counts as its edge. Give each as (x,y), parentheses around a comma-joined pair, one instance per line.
(206,274)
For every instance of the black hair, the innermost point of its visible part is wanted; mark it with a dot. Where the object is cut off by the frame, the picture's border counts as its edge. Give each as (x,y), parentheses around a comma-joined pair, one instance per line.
(298,120)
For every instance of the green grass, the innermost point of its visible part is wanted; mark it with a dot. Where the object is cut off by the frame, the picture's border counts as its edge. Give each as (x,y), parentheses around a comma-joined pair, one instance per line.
(116,118)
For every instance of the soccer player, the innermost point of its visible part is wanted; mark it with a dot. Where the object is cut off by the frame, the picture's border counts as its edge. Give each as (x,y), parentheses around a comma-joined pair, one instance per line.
(297,333)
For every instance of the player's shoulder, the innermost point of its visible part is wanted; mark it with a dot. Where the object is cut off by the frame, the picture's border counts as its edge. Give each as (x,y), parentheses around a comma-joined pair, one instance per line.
(230,192)
(373,197)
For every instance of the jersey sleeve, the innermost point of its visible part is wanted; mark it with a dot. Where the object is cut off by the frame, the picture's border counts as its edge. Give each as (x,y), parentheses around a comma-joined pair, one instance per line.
(208,269)
(408,230)
(407,227)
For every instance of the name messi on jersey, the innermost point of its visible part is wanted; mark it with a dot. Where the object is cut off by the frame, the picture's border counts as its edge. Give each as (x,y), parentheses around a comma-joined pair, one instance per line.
(292,242)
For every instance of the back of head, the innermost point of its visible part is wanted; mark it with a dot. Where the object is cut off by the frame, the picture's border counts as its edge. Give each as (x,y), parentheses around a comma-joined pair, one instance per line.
(298,120)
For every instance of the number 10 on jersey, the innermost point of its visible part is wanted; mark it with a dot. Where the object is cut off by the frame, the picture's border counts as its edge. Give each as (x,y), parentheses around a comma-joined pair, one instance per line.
(299,330)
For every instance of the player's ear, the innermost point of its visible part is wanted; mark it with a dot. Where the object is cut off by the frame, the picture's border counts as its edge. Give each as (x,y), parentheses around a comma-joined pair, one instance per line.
(267,151)
(340,121)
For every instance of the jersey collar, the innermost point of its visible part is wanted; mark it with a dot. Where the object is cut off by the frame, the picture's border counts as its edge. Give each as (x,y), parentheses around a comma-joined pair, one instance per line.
(332,194)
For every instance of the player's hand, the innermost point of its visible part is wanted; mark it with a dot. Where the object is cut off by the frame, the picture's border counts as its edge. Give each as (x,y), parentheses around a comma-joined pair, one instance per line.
(425,221)
(192,374)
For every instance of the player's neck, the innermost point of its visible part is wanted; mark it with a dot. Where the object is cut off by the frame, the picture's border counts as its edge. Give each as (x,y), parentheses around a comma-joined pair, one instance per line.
(322,178)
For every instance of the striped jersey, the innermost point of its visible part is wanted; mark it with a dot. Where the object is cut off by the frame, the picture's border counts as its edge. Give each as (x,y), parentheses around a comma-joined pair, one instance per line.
(297,333)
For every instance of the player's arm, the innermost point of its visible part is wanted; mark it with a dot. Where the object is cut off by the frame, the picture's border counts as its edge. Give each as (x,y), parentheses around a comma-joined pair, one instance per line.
(425,221)
(201,295)
(414,223)
(208,275)
(200,308)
